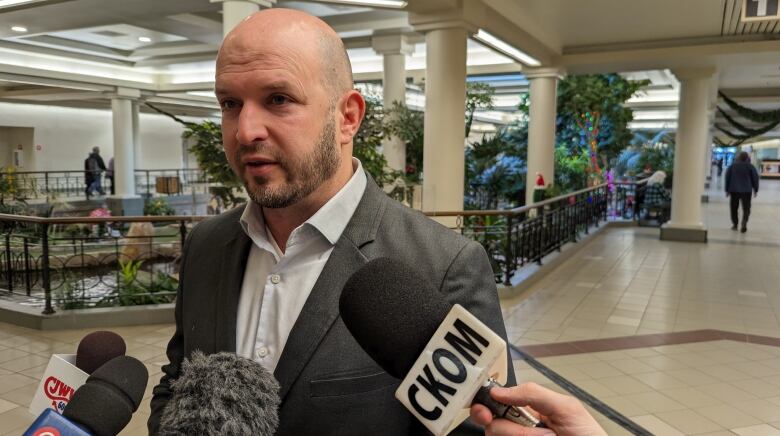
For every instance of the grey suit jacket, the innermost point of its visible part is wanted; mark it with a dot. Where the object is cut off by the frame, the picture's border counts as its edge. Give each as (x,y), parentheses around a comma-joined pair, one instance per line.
(329,385)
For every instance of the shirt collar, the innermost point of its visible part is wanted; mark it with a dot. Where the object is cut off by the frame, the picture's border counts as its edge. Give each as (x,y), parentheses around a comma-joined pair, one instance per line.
(330,220)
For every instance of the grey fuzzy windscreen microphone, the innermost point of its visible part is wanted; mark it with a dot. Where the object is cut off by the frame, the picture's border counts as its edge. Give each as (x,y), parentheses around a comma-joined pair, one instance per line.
(221,394)
(106,402)
(392,312)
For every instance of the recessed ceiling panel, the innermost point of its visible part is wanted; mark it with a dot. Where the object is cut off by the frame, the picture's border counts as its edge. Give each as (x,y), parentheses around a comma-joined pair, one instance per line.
(117,36)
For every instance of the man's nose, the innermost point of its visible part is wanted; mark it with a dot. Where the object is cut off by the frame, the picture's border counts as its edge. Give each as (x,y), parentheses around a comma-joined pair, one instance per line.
(251,125)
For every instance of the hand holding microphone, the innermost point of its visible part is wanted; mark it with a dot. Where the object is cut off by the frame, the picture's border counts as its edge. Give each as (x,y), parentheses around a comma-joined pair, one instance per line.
(564,415)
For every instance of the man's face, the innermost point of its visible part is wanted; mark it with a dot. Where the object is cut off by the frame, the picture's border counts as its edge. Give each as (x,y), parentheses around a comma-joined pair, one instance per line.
(278,123)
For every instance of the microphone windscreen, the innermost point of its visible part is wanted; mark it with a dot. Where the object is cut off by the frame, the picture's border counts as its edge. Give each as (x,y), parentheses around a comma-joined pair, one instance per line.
(97,348)
(106,402)
(221,394)
(392,312)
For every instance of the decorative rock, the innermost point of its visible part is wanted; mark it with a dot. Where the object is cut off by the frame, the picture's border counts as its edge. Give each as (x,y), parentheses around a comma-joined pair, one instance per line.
(138,243)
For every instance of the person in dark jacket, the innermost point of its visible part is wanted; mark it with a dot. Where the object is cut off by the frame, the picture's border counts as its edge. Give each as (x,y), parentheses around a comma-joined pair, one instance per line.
(741,182)
(93,168)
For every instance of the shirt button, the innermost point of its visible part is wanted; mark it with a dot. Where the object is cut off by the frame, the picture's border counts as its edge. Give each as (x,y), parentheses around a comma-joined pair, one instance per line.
(262,352)
(275,279)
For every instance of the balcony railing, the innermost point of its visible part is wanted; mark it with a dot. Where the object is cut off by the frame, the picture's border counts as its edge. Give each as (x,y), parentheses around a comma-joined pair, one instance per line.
(79,262)
(45,185)
(516,237)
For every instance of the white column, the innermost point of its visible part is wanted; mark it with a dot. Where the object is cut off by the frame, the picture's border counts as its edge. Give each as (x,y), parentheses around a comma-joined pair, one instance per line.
(541,127)
(124,168)
(692,126)
(445,124)
(137,153)
(234,11)
(394,50)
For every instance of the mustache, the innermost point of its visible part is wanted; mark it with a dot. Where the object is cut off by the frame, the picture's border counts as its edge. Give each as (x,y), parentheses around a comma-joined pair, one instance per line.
(258,148)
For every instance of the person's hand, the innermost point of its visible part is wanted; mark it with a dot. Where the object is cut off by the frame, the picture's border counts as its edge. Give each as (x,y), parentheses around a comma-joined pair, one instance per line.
(755,194)
(727,194)
(563,415)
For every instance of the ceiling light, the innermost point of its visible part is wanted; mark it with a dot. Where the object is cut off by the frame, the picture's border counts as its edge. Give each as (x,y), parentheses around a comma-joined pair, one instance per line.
(144,39)
(19,29)
(398,4)
(504,48)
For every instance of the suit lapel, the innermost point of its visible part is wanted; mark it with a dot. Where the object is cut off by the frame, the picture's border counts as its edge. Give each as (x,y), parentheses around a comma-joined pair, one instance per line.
(235,253)
(322,307)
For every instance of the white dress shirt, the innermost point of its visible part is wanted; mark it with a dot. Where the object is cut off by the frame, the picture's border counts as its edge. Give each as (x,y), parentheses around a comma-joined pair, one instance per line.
(276,285)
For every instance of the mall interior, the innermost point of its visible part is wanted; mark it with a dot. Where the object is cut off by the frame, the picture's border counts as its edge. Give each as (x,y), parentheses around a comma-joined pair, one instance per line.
(660,318)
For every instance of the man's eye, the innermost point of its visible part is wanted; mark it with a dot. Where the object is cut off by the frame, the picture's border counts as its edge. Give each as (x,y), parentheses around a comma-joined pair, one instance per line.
(278,100)
(229,104)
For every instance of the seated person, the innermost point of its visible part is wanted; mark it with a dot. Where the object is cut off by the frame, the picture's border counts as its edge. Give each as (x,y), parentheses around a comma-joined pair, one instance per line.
(656,196)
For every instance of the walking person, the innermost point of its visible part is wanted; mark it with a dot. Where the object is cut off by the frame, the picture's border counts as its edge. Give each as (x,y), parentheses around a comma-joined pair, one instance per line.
(93,168)
(741,182)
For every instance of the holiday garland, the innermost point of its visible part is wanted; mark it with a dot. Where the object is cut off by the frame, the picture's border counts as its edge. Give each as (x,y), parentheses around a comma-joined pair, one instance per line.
(769,119)
(747,132)
(750,114)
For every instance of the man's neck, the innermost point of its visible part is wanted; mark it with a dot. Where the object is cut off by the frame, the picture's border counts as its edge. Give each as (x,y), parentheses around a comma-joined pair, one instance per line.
(282,221)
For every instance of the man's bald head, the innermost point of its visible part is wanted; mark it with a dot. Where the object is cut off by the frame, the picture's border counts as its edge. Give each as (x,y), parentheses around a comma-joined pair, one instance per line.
(314,39)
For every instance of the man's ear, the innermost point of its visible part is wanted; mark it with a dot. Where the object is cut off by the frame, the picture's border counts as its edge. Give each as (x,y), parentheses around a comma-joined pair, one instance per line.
(351,110)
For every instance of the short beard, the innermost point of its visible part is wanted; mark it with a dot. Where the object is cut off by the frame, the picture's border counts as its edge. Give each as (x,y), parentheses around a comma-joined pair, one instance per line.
(302,177)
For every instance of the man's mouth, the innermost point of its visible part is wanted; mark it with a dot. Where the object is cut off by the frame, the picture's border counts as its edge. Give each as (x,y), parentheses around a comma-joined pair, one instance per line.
(258,166)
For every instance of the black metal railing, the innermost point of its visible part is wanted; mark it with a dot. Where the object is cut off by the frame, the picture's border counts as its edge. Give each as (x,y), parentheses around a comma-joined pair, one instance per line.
(516,237)
(33,185)
(79,262)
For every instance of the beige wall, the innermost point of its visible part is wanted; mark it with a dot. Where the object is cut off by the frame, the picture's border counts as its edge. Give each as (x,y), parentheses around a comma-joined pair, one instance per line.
(66,136)
(10,140)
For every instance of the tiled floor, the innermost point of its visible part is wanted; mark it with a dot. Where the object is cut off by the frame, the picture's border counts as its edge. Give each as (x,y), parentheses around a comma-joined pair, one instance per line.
(625,282)
(717,387)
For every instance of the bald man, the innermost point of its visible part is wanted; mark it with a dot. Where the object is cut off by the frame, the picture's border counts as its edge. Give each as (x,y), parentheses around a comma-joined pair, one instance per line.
(264,280)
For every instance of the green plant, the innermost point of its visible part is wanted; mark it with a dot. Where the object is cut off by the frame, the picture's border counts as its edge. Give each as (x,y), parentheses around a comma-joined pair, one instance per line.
(70,294)
(495,175)
(10,186)
(592,115)
(479,96)
(408,125)
(571,167)
(76,230)
(128,287)
(158,207)
(552,191)
(210,154)
(368,141)
(132,291)
(490,231)
(164,283)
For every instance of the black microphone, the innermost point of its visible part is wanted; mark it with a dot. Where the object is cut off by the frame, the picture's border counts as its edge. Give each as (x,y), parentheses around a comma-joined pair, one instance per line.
(97,348)
(106,402)
(447,358)
(221,394)
(102,406)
